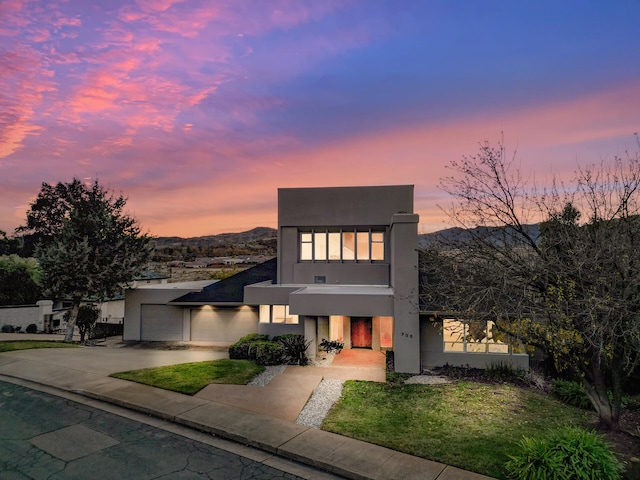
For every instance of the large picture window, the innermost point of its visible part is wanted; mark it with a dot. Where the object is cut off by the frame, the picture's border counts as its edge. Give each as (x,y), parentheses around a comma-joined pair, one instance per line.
(343,245)
(474,336)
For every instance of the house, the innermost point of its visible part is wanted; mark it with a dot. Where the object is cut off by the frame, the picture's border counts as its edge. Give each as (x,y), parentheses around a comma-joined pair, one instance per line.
(346,270)
(112,309)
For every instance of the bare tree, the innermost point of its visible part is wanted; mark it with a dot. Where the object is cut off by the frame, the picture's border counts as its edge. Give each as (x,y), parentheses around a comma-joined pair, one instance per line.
(570,285)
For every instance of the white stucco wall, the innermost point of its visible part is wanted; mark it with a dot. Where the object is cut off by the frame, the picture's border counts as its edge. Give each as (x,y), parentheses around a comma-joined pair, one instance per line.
(24,315)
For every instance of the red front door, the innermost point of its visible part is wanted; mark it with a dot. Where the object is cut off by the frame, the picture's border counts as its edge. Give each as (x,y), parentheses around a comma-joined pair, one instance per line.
(360,332)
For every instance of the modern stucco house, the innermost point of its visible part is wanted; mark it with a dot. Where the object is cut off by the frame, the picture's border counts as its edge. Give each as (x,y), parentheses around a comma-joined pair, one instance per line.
(346,269)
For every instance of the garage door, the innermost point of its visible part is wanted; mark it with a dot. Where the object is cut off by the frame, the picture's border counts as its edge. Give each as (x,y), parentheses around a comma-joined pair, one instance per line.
(160,323)
(225,325)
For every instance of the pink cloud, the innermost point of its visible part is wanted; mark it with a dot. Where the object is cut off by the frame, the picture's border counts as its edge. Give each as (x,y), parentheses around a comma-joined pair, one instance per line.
(416,155)
(156,5)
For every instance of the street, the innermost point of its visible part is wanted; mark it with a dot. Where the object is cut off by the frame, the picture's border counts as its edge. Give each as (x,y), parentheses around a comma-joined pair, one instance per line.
(46,436)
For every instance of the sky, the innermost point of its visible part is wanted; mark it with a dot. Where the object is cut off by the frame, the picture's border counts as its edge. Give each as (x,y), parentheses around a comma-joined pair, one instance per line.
(197,111)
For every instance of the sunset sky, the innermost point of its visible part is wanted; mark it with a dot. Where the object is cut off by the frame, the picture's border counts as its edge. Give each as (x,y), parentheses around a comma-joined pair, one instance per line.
(198,110)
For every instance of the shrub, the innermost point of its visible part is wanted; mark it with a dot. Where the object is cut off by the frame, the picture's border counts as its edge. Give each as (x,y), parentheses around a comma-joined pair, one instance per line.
(295,348)
(88,315)
(503,372)
(565,454)
(6,328)
(329,345)
(571,393)
(266,352)
(240,349)
(32,328)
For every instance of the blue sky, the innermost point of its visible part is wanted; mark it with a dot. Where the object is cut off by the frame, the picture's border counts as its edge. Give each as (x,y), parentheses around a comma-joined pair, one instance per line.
(199,110)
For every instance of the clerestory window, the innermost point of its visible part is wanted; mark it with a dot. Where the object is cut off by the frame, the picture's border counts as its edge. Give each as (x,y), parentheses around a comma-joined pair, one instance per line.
(323,245)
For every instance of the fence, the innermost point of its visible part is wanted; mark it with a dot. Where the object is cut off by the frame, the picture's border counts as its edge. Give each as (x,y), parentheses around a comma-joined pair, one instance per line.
(103,330)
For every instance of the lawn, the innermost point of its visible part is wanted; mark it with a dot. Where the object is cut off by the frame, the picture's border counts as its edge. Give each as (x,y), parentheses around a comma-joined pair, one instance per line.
(473,426)
(190,378)
(13,345)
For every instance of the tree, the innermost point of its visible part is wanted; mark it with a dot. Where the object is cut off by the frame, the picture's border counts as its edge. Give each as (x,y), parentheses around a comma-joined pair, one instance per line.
(88,315)
(88,247)
(8,246)
(19,280)
(570,287)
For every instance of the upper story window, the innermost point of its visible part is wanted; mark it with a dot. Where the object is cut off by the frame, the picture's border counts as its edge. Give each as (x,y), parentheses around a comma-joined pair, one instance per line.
(342,245)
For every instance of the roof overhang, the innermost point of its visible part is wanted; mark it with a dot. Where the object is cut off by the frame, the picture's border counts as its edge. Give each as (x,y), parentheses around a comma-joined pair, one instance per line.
(352,300)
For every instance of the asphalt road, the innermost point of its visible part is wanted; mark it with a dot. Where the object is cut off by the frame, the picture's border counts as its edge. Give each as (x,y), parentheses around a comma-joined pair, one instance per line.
(43,436)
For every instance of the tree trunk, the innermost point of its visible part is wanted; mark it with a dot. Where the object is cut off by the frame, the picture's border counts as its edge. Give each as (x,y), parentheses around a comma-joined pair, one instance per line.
(71,323)
(608,411)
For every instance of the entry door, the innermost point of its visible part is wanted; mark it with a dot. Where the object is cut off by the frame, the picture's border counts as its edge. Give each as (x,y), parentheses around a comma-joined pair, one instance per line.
(360,332)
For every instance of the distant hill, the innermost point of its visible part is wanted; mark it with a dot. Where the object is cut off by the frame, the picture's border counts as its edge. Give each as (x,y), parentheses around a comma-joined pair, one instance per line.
(263,241)
(258,233)
(257,241)
(461,235)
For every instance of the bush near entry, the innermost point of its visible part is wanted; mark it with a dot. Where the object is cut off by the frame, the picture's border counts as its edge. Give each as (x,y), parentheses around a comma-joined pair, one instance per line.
(289,348)
(240,349)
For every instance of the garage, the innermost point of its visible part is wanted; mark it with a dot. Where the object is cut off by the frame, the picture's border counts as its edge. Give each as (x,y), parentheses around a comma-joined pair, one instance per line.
(160,323)
(223,324)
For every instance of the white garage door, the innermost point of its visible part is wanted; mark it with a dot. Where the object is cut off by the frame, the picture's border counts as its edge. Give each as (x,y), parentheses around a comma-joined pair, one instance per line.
(160,323)
(223,324)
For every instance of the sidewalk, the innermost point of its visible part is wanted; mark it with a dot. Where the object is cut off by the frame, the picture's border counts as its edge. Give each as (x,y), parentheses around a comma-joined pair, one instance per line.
(261,417)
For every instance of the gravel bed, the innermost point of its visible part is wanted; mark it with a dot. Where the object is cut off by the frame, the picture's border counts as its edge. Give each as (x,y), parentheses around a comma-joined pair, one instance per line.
(265,377)
(325,395)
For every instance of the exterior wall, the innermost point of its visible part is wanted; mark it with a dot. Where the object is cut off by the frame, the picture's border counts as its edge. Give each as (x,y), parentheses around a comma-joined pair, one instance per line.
(404,280)
(335,207)
(310,335)
(433,354)
(24,315)
(341,273)
(337,303)
(112,311)
(222,325)
(273,329)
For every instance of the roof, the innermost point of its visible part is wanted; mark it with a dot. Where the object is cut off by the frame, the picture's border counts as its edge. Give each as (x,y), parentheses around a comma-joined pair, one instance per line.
(345,290)
(231,289)
(150,275)
(187,285)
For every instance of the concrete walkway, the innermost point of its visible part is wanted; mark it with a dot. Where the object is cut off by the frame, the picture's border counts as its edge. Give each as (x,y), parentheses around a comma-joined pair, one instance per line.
(261,417)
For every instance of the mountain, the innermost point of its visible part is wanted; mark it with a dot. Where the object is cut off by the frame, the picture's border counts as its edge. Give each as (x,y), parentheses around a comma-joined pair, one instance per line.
(457,235)
(255,234)
(257,241)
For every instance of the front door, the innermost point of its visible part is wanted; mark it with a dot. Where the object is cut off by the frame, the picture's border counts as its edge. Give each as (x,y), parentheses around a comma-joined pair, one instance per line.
(360,332)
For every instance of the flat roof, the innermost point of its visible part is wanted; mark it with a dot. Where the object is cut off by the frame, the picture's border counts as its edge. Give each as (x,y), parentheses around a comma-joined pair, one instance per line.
(194,284)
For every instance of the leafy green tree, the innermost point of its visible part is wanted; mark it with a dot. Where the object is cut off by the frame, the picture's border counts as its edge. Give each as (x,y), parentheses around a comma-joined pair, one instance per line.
(86,244)
(571,287)
(19,280)
(88,315)
(8,245)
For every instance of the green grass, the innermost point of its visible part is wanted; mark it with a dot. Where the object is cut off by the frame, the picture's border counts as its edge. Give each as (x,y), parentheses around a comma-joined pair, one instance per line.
(190,378)
(13,345)
(472,426)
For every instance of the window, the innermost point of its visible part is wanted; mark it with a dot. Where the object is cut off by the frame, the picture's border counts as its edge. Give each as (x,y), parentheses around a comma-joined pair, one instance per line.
(306,245)
(277,314)
(475,336)
(342,245)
